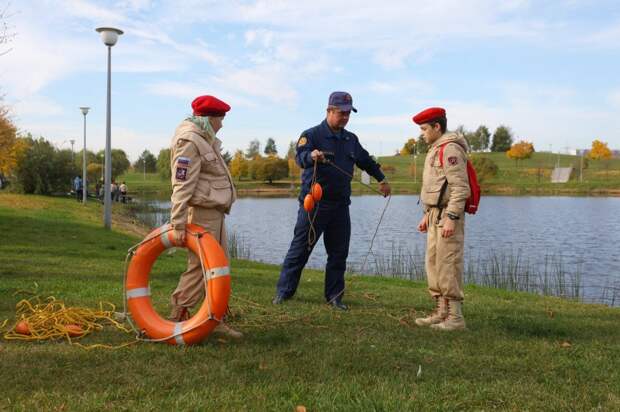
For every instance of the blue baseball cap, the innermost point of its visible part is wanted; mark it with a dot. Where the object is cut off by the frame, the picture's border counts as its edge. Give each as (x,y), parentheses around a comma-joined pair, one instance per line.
(342,100)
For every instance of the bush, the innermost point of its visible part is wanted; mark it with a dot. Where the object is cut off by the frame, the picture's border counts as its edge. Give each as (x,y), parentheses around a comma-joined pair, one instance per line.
(163,164)
(268,168)
(43,169)
(485,167)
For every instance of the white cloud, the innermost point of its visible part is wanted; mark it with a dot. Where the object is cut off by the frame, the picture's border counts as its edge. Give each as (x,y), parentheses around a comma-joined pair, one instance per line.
(614,98)
(186,92)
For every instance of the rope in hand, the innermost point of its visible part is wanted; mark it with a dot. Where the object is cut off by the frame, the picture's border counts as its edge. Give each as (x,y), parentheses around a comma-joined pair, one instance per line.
(312,236)
(387,203)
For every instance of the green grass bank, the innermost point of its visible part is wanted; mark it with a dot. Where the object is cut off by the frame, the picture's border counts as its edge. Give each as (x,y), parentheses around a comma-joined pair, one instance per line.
(521,352)
(528,177)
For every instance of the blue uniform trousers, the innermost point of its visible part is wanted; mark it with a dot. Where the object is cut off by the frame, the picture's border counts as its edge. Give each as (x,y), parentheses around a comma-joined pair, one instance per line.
(334,223)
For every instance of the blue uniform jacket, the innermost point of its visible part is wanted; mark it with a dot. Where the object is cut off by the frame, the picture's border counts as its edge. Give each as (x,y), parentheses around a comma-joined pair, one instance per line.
(344,150)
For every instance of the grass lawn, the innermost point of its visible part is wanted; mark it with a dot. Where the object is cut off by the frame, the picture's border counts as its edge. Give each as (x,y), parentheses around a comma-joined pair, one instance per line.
(522,352)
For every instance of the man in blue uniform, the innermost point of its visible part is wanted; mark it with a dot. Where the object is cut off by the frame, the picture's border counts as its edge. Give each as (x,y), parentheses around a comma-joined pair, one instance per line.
(331,147)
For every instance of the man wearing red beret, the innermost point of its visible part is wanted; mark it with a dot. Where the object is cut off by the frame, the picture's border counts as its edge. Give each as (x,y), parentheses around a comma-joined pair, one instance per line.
(202,193)
(445,189)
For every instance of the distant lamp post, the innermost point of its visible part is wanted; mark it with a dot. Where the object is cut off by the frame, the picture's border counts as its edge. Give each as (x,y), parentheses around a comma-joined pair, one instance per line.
(109,36)
(72,141)
(84,183)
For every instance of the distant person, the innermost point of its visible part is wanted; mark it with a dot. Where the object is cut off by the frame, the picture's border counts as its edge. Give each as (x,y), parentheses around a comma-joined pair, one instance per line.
(445,189)
(123,190)
(114,191)
(78,187)
(202,193)
(98,187)
(327,141)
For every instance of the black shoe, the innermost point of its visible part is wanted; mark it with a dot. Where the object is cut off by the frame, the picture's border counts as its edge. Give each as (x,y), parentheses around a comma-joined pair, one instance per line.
(337,304)
(278,300)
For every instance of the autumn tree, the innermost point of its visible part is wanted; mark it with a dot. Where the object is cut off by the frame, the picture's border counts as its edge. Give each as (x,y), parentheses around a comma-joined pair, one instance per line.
(271,168)
(239,166)
(599,151)
(8,140)
(519,151)
(294,170)
(408,148)
(94,172)
(91,157)
(502,139)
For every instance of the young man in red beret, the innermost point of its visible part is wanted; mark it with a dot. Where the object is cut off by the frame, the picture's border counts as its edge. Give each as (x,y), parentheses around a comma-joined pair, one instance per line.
(202,193)
(445,189)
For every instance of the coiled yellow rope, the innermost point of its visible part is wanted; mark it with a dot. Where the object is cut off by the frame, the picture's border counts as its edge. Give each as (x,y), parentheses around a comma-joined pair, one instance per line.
(51,319)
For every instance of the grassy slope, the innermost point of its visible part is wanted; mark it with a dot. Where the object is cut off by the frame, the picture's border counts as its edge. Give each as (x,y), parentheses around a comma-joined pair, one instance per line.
(301,353)
(598,178)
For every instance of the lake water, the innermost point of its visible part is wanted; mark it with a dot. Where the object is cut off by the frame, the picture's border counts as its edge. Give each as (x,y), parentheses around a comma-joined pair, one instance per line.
(570,240)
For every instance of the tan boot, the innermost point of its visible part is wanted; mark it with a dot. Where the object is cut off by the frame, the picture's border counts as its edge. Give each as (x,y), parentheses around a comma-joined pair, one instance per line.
(227,331)
(455,320)
(179,314)
(438,315)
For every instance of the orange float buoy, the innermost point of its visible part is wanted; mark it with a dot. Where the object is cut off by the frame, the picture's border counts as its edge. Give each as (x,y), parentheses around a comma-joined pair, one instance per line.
(74,330)
(308,203)
(317,192)
(217,289)
(22,328)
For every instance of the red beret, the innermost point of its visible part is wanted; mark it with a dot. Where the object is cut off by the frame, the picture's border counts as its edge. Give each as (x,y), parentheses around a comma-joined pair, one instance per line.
(425,116)
(209,106)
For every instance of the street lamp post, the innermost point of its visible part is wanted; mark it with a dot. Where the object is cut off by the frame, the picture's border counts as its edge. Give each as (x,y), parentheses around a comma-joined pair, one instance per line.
(109,36)
(84,183)
(72,141)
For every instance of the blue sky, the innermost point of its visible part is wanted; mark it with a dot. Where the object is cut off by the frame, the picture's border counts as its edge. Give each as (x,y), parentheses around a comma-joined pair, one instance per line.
(547,69)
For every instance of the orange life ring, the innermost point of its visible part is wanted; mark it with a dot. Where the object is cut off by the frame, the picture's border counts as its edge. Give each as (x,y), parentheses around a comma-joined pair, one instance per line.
(138,295)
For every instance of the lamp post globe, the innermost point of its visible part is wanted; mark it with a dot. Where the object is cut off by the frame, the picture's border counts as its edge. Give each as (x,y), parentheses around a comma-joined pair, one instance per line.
(109,36)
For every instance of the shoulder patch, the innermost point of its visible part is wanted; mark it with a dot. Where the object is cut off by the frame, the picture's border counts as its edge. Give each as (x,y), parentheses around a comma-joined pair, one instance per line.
(302,141)
(183,160)
(181,173)
(453,160)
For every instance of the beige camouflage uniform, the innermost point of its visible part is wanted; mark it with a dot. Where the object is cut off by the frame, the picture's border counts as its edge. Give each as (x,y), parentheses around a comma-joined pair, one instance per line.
(444,256)
(202,193)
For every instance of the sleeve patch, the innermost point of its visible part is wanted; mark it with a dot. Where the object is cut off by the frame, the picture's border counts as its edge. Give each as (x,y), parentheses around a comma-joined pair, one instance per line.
(453,160)
(181,173)
(302,141)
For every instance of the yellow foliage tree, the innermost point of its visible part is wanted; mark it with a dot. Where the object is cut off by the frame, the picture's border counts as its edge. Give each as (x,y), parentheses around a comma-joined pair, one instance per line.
(408,148)
(521,150)
(294,171)
(93,172)
(239,165)
(599,151)
(8,140)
